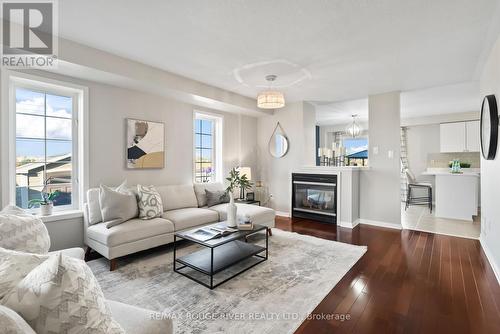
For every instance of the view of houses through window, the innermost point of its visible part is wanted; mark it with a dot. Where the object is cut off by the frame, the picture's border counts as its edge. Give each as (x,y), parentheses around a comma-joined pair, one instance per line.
(204,150)
(44,145)
(207,148)
(356,151)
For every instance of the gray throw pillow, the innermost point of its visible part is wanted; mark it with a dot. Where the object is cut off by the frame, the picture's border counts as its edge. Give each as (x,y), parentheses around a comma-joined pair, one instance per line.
(117,205)
(216,197)
(150,203)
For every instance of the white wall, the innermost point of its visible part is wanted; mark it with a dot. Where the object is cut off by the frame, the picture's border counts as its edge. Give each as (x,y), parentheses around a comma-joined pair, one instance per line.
(421,141)
(380,185)
(298,121)
(490,176)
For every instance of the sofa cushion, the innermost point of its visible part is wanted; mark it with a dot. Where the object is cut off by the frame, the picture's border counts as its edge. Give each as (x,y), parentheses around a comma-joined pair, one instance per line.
(132,230)
(199,189)
(138,320)
(190,217)
(257,214)
(11,322)
(177,197)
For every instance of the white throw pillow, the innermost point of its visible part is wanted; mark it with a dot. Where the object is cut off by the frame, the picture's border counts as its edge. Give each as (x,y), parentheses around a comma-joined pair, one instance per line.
(117,205)
(14,266)
(22,231)
(62,295)
(150,203)
(12,323)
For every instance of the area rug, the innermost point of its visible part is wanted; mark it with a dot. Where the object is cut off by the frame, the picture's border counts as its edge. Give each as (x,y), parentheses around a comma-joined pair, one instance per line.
(273,297)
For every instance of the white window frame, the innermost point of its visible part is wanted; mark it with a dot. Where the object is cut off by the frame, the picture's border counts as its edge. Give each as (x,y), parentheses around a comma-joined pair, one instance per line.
(217,161)
(12,80)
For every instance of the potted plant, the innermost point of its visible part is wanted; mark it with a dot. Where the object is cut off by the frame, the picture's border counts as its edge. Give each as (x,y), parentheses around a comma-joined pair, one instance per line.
(244,184)
(235,181)
(46,202)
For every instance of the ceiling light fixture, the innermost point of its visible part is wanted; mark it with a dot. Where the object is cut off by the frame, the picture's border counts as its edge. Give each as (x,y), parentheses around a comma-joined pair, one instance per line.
(353,130)
(270,99)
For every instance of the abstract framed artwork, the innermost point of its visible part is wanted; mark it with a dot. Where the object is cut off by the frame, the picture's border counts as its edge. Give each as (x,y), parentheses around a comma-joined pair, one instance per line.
(145,144)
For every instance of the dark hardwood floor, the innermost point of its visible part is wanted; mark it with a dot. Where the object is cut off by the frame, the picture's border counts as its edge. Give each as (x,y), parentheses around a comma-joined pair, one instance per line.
(407,282)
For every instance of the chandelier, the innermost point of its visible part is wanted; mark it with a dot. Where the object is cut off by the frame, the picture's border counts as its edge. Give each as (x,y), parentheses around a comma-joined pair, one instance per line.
(270,99)
(353,129)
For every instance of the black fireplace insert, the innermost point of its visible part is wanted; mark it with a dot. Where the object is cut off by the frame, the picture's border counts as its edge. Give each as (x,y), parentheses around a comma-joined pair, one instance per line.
(314,196)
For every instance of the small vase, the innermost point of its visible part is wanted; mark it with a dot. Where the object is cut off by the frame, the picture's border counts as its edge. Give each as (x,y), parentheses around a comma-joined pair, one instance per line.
(231,212)
(46,209)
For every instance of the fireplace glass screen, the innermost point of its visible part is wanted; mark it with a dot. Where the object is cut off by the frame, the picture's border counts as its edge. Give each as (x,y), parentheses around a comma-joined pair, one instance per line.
(315,198)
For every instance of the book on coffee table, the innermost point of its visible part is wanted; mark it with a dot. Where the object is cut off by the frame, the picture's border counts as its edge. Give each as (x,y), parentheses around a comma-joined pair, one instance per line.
(212,232)
(245,226)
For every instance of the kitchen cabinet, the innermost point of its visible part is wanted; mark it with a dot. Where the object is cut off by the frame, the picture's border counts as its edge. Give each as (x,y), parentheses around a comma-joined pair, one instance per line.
(473,136)
(459,137)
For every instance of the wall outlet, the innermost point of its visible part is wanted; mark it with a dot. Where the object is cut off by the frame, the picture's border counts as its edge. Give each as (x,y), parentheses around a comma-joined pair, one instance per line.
(390,154)
(375,150)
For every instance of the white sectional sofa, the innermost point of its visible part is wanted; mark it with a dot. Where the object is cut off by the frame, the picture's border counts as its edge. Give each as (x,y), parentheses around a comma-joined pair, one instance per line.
(185,208)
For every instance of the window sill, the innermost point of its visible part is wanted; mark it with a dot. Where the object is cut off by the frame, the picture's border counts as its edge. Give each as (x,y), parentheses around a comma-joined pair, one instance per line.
(61,215)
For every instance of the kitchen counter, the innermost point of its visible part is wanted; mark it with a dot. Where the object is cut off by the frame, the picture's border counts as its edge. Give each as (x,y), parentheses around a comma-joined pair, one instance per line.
(457,194)
(446,171)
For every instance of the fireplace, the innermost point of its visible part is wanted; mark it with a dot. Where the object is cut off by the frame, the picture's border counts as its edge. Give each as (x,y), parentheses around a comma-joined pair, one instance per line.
(314,196)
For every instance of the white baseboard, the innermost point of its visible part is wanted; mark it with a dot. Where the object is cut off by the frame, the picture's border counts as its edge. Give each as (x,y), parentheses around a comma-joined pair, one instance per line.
(489,256)
(380,224)
(283,214)
(348,224)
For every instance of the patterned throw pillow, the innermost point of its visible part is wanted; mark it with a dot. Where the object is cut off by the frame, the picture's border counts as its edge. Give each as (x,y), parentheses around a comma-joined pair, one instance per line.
(23,232)
(62,295)
(14,266)
(216,197)
(12,323)
(150,204)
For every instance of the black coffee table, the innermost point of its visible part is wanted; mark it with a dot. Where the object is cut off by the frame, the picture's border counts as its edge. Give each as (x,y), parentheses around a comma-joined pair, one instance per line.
(219,254)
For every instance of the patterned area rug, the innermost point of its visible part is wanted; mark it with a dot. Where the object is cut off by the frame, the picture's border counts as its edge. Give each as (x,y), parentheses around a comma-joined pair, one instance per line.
(273,297)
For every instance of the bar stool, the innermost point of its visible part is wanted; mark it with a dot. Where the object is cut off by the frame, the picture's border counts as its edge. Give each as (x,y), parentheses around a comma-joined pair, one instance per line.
(413,185)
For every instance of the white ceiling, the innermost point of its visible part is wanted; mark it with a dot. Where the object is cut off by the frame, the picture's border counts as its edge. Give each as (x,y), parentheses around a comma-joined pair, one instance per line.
(435,101)
(339,49)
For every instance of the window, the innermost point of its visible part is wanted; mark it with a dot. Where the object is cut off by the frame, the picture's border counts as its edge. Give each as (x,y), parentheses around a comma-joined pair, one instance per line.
(356,151)
(45,145)
(207,148)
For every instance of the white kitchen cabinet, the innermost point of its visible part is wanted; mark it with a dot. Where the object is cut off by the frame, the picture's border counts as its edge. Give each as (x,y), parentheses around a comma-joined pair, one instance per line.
(473,136)
(452,137)
(459,137)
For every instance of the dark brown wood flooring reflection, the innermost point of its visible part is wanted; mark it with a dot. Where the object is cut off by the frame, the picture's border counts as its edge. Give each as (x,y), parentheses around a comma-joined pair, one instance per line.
(407,282)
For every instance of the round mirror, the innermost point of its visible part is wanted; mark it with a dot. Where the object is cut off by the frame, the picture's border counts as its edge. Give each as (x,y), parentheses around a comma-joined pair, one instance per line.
(278,143)
(489,127)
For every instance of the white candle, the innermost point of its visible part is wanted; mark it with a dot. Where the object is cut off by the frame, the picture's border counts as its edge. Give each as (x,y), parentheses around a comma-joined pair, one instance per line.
(319,152)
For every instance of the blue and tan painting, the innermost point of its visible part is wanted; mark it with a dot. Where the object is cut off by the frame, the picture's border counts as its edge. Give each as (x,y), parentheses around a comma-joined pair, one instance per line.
(145,144)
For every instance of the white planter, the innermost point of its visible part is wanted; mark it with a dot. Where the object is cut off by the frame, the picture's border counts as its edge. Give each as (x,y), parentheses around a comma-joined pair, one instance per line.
(46,209)
(231,212)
